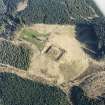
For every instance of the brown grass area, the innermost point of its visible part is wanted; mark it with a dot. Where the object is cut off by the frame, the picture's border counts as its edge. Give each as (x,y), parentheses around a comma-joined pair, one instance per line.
(71,64)
(63,72)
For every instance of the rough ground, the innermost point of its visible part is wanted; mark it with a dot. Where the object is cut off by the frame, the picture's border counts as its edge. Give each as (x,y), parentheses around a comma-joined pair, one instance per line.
(94,84)
(64,61)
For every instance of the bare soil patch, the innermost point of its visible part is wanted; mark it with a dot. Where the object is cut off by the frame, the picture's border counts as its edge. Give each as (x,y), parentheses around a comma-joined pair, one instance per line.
(50,63)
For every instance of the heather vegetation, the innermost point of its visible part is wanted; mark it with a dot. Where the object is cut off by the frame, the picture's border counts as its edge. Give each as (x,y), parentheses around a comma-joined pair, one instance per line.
(17,91)
(17,56)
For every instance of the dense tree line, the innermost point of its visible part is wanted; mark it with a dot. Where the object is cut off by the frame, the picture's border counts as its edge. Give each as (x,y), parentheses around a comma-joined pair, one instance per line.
(11,6)
(45,11)
(3,8)
(17,56)
(17,91)
(57,11)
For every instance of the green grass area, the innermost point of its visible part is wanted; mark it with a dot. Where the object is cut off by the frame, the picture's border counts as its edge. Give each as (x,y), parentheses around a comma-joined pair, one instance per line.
(17,56)
(17,91)
(35,37)
(2,28)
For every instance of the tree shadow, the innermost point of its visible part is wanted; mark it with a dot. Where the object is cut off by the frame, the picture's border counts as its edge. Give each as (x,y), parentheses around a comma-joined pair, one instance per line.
(78,97)
(85,33)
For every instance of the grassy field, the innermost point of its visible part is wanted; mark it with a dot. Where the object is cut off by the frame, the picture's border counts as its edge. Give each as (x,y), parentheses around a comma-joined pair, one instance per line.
(34,37)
